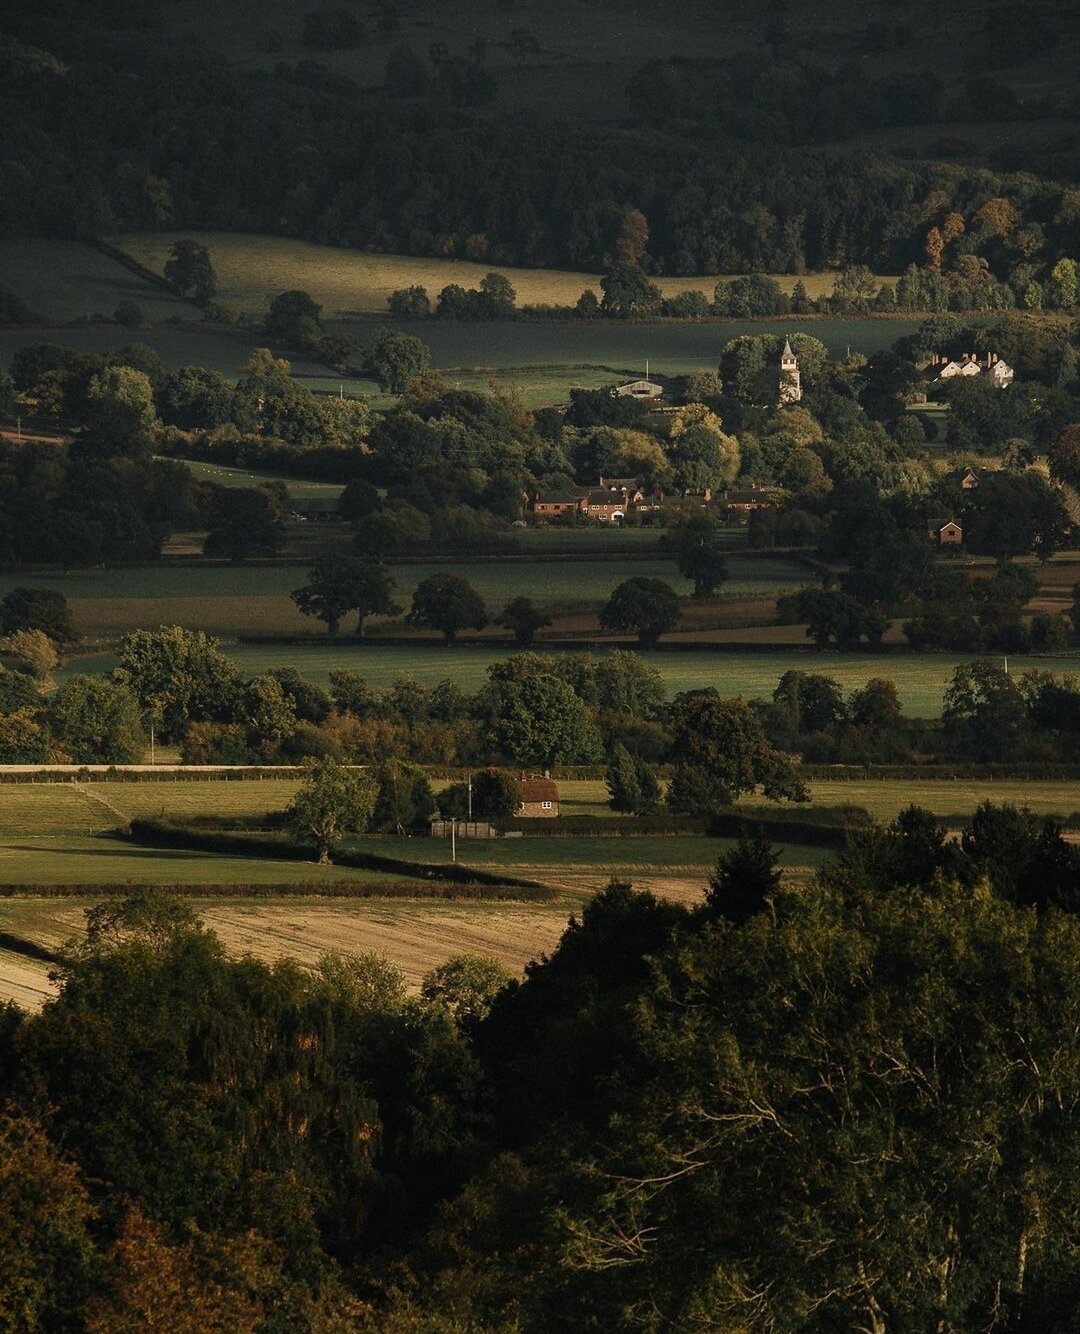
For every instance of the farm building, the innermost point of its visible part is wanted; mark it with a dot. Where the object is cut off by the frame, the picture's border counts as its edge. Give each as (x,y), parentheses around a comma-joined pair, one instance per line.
(948,534)
(646,391)
(538,798)
(315,509)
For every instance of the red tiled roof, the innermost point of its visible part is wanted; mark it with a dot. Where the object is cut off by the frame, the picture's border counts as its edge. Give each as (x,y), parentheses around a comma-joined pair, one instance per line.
(537,789)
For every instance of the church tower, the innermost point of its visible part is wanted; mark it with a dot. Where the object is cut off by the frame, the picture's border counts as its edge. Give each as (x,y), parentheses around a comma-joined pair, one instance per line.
(790,382)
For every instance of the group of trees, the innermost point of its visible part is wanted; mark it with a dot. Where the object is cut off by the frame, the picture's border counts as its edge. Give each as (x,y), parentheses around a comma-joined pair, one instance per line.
(211,1142)
(988,716)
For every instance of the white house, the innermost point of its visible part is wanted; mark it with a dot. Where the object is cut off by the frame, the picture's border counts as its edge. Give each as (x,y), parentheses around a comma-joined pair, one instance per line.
(999,372)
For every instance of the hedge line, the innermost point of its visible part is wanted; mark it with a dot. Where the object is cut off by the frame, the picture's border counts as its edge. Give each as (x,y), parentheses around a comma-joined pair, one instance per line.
(337,889)
(27,948)
(827,827)
(114,775)
(990,772)
(161,833)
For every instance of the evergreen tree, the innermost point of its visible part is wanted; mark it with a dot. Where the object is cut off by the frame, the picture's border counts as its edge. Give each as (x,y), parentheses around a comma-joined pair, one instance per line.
(745,879)
(624,788)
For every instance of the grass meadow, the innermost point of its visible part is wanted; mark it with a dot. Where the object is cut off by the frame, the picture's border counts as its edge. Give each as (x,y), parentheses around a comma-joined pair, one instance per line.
(253,269)
(63,280)
(240,477)
(236,600)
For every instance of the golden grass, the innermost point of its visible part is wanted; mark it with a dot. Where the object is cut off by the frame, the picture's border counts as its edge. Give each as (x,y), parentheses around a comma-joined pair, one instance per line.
(50,808)
(252,269)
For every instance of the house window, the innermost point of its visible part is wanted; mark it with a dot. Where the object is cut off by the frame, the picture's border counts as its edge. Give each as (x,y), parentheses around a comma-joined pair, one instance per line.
(546,805)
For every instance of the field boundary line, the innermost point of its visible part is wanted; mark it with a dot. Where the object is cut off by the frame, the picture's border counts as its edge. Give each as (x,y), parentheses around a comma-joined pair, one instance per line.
(96,796)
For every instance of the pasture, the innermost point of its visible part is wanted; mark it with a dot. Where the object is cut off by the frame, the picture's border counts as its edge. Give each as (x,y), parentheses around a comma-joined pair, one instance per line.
(253,269)
(229,601)
(63,280)
(220,475)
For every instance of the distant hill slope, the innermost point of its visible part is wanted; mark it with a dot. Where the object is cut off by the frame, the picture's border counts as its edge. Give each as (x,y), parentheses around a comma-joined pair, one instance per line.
(252,269)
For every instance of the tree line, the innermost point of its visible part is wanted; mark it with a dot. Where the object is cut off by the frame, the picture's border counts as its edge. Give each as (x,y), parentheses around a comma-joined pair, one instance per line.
(397,170)
(535,710)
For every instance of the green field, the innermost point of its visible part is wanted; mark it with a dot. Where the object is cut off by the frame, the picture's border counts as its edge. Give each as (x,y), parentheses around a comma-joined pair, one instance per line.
(234,477)
(253,269)
(228,601)
(675,855)
(920,677)
(88,860)
(62,280)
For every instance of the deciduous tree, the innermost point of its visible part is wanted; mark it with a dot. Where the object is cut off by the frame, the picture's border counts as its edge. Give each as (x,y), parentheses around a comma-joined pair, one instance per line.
(648,606)
(332,801)
(448,603)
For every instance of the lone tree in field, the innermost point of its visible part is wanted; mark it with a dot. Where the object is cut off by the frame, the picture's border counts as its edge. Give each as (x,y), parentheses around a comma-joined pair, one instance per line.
(339,584)
(448,603)
(394,359)
(332,801)
(699,554)
(523,618)
(648,606)
(189,272)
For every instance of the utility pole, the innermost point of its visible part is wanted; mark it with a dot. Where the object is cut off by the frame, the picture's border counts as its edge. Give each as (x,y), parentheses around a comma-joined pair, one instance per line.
(151,738)
(453,840)
(470,798)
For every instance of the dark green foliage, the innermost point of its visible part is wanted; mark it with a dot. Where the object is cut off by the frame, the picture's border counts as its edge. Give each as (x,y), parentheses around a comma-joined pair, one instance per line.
(632,785)
(340,584)
(244,522)
(649,606)
(523,618)
(97,721)
(190,271)
(719,752)
(699,554)
(405,801)
(394,359)
(745,881)
(495,796)
(448,603)
(37,609)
